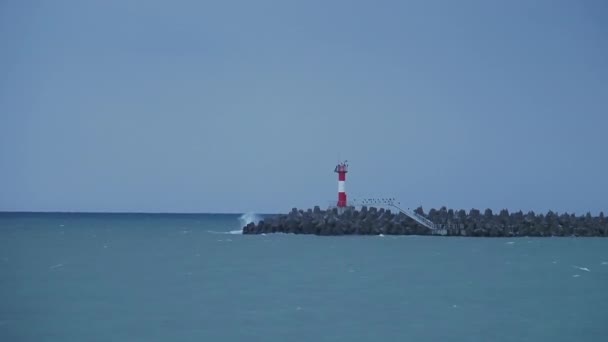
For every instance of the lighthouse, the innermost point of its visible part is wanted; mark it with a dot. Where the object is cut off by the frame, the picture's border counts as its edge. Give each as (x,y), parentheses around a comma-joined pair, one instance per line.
(341,169)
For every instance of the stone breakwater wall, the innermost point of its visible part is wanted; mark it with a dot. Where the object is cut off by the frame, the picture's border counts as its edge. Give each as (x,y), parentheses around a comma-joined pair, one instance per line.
(366,221)
(374,221)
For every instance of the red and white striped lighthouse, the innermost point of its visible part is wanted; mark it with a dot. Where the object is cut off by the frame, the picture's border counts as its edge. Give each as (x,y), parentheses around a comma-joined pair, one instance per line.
(341,169)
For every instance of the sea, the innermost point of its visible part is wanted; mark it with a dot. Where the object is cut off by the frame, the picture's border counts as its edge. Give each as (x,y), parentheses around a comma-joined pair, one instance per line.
(194,277)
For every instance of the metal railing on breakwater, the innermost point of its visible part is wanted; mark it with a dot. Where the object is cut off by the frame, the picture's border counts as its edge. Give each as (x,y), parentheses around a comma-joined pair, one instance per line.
(393,203)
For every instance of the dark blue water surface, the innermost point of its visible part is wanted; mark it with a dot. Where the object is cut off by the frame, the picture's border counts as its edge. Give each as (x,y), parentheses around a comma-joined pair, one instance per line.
(157,277)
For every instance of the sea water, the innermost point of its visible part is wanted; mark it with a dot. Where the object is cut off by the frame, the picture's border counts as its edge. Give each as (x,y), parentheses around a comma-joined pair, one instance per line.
(157,277)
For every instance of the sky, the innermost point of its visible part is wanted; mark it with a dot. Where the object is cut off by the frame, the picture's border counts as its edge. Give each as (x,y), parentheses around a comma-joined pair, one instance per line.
(247,106)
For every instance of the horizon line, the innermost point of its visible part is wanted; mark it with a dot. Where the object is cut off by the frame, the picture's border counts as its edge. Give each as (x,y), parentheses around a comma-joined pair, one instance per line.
(127,212)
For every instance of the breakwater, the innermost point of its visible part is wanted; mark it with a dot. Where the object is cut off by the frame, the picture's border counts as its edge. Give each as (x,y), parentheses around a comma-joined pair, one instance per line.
(376,221)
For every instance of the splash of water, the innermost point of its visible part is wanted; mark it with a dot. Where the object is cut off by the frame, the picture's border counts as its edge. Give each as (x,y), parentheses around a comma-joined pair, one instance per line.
(248,218)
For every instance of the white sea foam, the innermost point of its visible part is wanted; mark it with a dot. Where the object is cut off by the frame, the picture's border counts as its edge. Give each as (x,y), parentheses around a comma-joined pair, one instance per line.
(576,276)
(56,266)
(381,235)
(583,268)
(510,242)
(604,262)
(232,232)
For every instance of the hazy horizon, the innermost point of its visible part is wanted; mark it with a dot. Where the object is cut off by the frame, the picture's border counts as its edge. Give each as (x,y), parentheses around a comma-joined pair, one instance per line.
(247,107)
(264,213)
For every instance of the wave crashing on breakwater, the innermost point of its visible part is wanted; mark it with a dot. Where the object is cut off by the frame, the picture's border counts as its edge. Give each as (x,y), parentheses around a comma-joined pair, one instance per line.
(244,220)
(248,218)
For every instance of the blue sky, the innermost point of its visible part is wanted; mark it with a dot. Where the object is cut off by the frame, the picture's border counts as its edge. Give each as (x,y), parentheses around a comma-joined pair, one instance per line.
(233,106)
